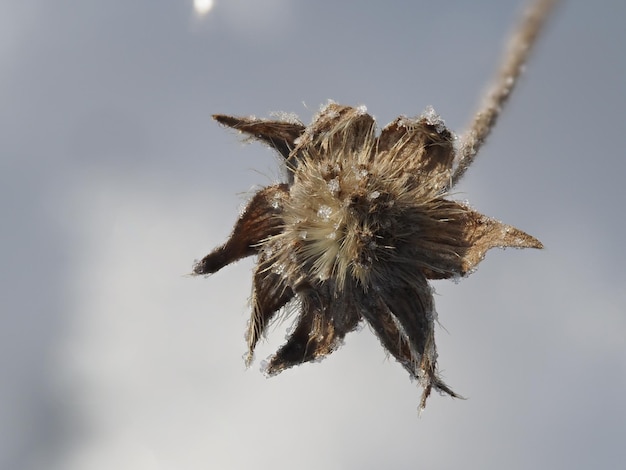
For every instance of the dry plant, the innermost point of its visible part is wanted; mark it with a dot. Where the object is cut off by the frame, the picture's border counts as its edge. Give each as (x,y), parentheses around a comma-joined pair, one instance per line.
(363,222)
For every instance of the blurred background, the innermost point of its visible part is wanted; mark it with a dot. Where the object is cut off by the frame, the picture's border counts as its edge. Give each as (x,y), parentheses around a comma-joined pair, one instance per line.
(114,179)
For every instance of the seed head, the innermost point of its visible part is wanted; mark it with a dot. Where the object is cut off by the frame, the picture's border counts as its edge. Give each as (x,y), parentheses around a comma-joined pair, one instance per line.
(364,221)
(356,233)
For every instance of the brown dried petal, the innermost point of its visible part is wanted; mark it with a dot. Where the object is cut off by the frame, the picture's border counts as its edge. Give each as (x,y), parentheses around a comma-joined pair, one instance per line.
(413,310)
(403,320)
(260,220)
(483,233)
(323,323)
(456,239)
(419,147)
(280,135)
(338,131)
(270,295)
(393,339)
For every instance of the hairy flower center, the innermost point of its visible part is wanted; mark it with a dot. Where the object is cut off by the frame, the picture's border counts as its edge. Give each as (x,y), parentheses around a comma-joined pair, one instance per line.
(337,221)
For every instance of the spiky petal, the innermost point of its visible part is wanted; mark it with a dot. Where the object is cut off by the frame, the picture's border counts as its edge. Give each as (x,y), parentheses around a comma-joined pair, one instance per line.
(260,220)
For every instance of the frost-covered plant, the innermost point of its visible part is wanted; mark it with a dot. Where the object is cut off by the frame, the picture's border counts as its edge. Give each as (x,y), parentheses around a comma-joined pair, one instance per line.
(363,222)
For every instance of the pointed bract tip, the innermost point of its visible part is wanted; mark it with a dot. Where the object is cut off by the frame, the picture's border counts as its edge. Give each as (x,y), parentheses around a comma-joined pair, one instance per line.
(227,120)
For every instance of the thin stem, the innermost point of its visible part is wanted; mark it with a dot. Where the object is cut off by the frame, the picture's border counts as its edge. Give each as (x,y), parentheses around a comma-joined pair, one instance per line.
(520,45)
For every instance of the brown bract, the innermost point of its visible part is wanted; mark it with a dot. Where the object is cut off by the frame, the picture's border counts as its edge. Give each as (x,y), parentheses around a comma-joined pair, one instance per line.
(356,233)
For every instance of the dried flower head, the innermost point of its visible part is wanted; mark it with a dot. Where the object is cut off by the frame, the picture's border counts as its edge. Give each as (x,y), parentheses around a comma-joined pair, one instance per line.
(361,225)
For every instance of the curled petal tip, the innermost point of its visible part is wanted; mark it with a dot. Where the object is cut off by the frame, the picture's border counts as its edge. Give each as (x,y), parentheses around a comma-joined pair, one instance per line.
(281,135)
(259,221)
(231,121)
(212,262)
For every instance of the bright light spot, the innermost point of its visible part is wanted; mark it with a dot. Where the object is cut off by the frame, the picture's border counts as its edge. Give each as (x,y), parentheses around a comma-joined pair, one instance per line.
(202,7)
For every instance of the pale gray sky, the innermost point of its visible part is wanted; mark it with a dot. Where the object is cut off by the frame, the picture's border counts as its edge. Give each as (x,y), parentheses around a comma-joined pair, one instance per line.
(114,179)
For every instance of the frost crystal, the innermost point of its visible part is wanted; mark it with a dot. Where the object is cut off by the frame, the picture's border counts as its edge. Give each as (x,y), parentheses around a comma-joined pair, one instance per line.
(328,109)
(404,121)
(362,174)
(291,118)
(373,195)
(324,212)
(333,186)
(432,118)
